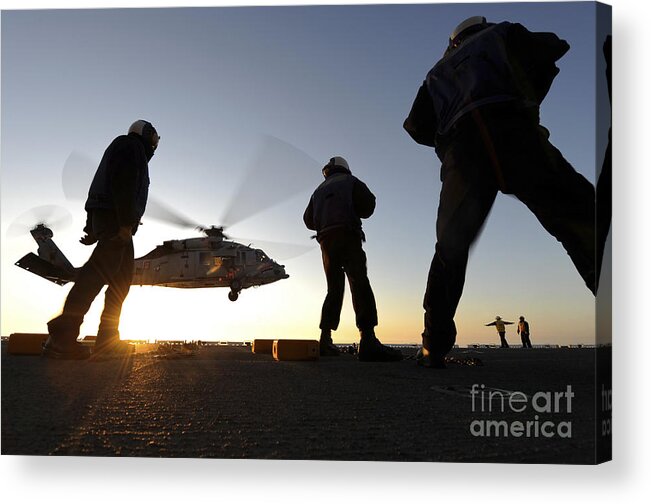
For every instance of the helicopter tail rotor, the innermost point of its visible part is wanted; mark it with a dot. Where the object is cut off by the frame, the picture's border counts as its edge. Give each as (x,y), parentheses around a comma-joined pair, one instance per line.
(50,216)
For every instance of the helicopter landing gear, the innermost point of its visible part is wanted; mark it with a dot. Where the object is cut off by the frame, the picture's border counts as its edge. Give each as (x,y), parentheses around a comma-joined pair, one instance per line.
(236,287)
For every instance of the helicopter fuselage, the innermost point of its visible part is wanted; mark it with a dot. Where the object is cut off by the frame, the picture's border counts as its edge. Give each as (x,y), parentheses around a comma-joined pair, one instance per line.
(209,261)
(206,262)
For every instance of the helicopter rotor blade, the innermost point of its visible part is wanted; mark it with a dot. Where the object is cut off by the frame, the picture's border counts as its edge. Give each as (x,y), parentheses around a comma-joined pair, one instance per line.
(158,210)
(52,216)
(280,251)
(78,172)
(277,172)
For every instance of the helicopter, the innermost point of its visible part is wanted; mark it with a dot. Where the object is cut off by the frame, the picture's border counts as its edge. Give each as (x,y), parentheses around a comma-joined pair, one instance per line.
(208,261)
(212,260)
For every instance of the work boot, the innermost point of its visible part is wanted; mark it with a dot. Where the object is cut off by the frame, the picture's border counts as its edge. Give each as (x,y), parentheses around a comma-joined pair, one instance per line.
(57,348)
(112,348)
(428,359)
(326,347)
(62,342)
(372,350)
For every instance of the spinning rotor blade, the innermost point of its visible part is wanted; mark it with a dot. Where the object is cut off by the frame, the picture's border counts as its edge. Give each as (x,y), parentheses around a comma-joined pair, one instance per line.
(52,216)
(277,172)
(160,211)
(279,251)
(78,172)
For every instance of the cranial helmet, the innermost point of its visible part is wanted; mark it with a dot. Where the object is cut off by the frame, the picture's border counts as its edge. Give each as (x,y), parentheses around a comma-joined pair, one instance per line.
(474,22)
(335,162)
(146,130)
(498,318)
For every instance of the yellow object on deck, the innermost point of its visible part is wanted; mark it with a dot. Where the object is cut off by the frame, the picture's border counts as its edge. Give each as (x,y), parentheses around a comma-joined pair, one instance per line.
(296,350)
(26,343)
(262,346)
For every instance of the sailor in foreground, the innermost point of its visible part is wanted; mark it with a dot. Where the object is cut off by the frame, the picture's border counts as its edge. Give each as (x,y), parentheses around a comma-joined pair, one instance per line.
(335,211)
(479,108)
(116,201)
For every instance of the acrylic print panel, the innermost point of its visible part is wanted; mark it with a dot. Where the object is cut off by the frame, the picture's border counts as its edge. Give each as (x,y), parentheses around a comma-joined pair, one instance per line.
(251,103)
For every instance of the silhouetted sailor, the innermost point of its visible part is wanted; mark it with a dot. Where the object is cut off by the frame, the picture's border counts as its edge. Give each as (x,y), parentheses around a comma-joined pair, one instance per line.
(116,201)
(523,331)
(335,211)
(479,108)
(501,330)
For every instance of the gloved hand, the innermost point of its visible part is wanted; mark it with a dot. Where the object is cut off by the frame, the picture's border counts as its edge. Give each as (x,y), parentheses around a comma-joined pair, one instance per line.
(88,239)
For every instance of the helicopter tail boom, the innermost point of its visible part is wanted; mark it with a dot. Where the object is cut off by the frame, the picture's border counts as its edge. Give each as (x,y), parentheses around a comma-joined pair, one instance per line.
(39,266)
(50,263)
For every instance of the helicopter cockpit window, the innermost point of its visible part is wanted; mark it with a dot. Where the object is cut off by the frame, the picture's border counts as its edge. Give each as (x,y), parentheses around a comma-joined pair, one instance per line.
(205,258)
(260,256)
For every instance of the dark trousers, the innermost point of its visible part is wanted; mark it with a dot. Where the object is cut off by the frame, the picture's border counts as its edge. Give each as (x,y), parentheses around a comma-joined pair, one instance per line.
(526,342)
(503,342)
(343,256)
(491,150)
(111,263)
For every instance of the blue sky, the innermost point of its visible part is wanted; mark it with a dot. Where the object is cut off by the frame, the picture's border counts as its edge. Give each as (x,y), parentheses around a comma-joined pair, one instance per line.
(333,80)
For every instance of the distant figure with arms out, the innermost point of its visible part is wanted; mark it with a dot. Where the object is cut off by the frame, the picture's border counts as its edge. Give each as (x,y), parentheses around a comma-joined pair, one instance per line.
(116,201)
(335,211)
(479,108)
(501,330)
(523,331)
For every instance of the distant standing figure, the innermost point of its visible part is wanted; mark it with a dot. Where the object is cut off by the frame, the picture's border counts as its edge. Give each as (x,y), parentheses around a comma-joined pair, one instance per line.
(479,108)
(501,329)
(116,201)
(523,331)
(335,211)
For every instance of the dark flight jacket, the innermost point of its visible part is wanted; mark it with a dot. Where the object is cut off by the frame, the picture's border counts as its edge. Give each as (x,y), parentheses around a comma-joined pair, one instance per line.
(121,183)
(502,63)
(340,202)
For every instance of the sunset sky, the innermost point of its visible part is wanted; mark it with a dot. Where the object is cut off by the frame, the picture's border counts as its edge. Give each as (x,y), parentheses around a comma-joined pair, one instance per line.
(335,80)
